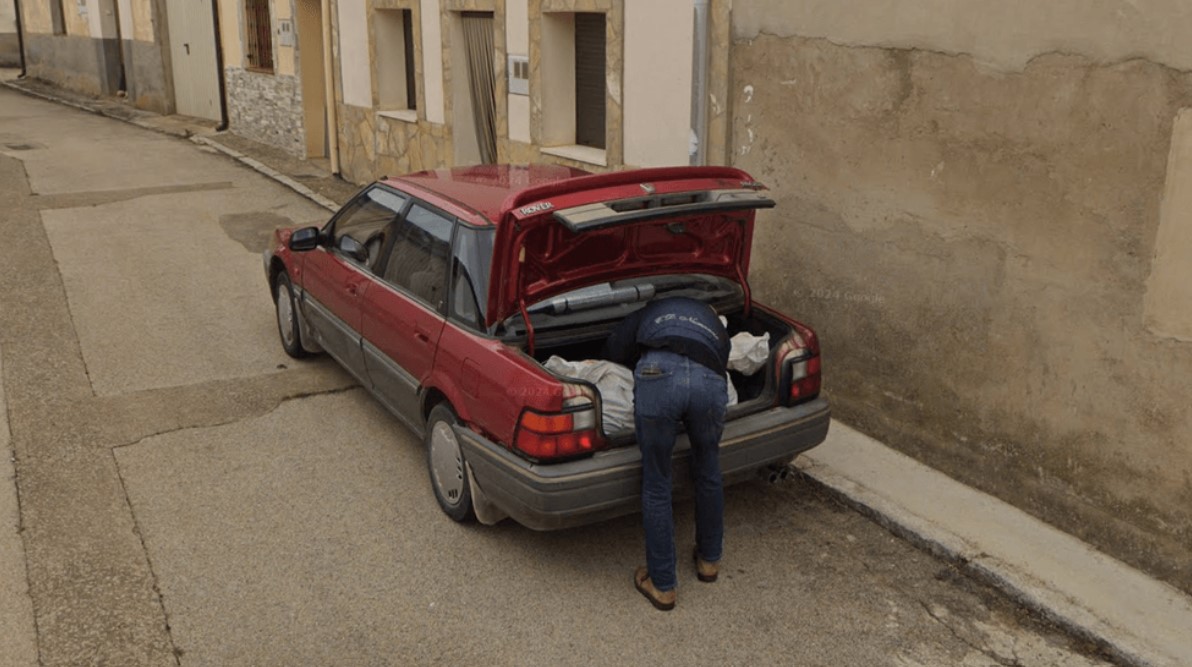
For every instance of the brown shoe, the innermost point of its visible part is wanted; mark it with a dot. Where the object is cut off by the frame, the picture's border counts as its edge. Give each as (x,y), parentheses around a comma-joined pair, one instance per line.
(664,600)
(707,572)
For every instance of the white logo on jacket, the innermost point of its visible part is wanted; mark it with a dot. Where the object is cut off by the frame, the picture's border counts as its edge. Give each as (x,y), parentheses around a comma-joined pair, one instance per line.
(684,318)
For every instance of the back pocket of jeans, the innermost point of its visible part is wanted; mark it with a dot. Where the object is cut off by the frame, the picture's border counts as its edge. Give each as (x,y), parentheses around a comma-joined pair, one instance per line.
(650,372)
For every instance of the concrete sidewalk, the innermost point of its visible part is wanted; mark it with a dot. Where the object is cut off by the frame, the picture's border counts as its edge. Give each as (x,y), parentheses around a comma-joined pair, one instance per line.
(1137,619)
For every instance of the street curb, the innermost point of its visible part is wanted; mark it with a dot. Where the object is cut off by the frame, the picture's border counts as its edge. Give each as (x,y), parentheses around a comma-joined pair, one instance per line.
(99,111)
(1143,627)
(269,172)
(198,139)
(987,571)
(50,98)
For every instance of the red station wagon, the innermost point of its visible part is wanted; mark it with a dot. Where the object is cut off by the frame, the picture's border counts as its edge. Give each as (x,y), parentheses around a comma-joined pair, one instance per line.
(443,292)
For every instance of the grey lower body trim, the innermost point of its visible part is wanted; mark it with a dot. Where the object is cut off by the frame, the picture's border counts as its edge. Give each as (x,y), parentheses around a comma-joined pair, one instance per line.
(393,385)
(608,484)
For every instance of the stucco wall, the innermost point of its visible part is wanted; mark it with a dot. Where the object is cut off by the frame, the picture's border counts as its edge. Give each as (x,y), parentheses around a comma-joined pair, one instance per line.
(969,205)
(658,98)
(10,53)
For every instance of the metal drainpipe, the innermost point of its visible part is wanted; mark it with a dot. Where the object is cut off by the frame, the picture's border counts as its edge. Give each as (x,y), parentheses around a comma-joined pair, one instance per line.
(120,48)
(699,84)
(219,70)
(20,35)
(329,82)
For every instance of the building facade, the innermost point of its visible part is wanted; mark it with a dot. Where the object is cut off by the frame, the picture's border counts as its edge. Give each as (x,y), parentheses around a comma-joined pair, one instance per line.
(986,211)
(596,84)
(100,47)
(273,72)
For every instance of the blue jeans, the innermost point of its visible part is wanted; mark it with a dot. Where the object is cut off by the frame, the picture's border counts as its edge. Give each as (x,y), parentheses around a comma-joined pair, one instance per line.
(671,390)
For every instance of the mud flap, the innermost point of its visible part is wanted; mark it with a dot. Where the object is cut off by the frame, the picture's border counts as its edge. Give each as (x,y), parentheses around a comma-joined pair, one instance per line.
(486,512)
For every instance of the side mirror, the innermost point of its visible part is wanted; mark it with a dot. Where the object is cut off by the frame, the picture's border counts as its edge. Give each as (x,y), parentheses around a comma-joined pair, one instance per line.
(304,239)
(353,249)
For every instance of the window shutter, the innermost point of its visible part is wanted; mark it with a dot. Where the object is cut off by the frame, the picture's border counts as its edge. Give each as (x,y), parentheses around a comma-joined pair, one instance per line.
(589,79)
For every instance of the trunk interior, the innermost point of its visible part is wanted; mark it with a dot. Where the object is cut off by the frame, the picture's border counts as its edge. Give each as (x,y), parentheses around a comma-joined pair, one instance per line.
(754,392)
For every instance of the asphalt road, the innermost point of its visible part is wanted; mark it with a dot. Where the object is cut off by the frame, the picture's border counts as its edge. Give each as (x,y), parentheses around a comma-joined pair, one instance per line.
(190,495)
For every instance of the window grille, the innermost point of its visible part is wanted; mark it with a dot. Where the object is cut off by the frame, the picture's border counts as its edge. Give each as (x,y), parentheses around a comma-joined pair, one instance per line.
(258,31)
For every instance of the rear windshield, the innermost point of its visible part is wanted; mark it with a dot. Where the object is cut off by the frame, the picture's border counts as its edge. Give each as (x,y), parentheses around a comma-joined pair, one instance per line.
(614,300)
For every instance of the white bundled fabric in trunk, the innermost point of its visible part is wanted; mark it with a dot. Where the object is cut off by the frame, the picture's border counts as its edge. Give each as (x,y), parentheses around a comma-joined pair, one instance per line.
(615,383)
(749,352)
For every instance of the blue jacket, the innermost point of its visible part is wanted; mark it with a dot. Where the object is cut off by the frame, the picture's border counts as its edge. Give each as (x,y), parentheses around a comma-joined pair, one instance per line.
(679,324)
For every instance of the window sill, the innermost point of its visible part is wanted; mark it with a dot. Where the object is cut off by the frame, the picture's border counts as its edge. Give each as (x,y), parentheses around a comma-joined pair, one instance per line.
(585,154)
(404,115)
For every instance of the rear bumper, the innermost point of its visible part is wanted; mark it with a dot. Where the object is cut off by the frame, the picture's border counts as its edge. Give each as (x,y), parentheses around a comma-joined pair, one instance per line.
(608,484)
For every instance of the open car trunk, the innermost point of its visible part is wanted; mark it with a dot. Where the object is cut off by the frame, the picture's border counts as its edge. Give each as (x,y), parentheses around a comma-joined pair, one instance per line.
(754,392)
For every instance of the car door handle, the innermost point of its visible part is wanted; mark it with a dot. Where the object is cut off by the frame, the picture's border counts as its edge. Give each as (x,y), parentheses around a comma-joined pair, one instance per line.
(352,291)
(422,337)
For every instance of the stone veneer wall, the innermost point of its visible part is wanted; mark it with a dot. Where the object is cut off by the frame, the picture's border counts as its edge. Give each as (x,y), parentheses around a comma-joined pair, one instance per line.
(371,146)
(266,108)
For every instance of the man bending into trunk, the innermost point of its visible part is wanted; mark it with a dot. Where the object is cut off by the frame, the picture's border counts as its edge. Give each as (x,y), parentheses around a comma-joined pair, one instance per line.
(679,349)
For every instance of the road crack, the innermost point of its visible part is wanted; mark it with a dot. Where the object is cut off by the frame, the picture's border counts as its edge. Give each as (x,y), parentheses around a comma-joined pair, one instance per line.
(980,648)
(136,526)
(236,418)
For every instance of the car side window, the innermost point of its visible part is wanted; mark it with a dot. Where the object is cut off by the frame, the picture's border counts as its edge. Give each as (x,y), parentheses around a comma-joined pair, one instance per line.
(421,252)
(360,230)
(469,275)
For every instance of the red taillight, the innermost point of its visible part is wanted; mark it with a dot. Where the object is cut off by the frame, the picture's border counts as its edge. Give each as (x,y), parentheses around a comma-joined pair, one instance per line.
(553,446)
(540,423)
(808,386)
(798,367)
(558,435)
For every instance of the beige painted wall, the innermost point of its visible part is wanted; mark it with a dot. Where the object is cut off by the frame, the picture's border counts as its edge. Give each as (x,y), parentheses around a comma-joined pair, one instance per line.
(286,61)
(432,60)
(142,19)
(36,17)
(76,15)
(8,17)
(1005,34)
(355,69)
(658,45)
(517,27)
(231,22)
(517,35)
(972,222)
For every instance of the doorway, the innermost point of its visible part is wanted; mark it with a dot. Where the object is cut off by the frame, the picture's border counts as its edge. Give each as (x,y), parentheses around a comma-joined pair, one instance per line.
(192,55)
(474,106)
(314,89)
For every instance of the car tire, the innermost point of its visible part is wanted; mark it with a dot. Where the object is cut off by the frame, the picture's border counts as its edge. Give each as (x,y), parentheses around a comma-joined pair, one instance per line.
(445,464)
(287,317)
